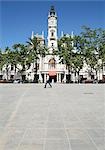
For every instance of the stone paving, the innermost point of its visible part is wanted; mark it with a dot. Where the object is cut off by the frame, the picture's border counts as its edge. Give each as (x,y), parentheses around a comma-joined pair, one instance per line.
(65,117)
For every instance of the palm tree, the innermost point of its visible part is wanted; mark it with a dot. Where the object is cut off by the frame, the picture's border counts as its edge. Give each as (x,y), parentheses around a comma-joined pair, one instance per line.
(7,60)
(16,56)
(1,60)
(22,57)
(33,45)
(43,51)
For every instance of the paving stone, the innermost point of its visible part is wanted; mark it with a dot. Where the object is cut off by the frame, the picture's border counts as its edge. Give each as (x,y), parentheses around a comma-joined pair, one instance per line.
(57,145)
(96,133)
(100,143)
(77,134)
(73,124)
(79,144)
(35,133)
(64,117)
(55,134)
(55,125)
(31,147)
(36,124)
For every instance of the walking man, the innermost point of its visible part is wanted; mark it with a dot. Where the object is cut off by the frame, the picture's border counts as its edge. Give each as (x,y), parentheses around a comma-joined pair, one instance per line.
(49,80)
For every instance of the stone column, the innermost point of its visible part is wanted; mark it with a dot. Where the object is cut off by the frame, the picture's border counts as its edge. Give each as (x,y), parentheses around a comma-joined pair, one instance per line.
(45,77)
(57,77)
(40,78)
(64,79)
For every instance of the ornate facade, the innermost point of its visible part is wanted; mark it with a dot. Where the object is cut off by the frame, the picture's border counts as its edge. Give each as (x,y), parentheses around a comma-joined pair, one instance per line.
(49,62)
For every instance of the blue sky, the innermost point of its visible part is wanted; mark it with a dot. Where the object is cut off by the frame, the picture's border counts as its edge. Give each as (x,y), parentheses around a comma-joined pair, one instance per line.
(19,18)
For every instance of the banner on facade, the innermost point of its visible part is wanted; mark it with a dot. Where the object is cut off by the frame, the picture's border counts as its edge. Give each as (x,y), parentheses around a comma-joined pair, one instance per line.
(52,73)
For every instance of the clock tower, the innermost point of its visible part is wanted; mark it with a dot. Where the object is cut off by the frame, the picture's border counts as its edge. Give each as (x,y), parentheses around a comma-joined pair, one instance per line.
(52,30)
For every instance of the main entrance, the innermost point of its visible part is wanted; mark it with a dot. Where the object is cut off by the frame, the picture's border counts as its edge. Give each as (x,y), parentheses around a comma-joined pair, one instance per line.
(54,78)
(58,77)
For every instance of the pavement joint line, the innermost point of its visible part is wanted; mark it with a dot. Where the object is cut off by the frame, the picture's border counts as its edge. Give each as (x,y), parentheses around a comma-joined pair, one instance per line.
(57,97)
(16,109)
(22,139)
(91,139)
(87,133)
(44,143)
(70,148)
(12,117)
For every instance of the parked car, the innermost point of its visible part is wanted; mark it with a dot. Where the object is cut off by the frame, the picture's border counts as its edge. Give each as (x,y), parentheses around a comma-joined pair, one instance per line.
(88,81)
(101,81)
(6,81)
(3,81)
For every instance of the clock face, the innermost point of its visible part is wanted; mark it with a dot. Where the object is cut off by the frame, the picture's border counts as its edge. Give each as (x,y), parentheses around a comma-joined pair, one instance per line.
(51,22)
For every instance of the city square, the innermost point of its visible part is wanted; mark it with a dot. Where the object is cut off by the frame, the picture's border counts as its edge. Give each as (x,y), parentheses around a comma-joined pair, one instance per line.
(52,75)
(64,117)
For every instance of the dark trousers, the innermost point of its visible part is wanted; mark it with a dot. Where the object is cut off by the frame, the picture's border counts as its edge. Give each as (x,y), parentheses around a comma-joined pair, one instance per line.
(48,82)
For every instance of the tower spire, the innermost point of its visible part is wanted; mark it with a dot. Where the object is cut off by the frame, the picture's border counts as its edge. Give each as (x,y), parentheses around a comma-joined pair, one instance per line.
(52,12)
(52,29)
(32,35)
(43,34)
(62,34)
(72,34)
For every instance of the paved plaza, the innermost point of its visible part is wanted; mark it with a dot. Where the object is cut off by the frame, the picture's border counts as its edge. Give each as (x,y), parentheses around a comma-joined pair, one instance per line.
(65,117)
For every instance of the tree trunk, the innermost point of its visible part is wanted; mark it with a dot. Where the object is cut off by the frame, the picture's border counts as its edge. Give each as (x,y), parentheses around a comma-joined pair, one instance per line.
(78,77)
(102,70)
(7,71)
(36,68)
(69,74)
(75,76)
(15,72)
(96,74)
(35,75)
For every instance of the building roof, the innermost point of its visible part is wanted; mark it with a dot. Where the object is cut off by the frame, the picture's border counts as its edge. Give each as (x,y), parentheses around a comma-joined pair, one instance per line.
(52,11)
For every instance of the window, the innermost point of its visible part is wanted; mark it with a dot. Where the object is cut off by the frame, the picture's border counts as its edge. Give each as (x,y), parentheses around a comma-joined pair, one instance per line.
(52,34)
(12,67)
(52,63)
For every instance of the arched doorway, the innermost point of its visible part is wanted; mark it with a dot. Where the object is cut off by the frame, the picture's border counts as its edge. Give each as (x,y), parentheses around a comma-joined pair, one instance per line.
(52,63)
(52,69)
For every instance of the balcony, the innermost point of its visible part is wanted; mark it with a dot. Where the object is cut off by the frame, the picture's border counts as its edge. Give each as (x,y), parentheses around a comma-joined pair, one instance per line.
(52,38)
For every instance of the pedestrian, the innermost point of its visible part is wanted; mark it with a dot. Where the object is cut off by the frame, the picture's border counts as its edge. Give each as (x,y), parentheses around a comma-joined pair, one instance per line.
(49,80)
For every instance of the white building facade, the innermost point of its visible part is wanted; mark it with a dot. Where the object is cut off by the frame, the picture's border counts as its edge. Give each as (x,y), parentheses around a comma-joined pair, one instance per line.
(50,62)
